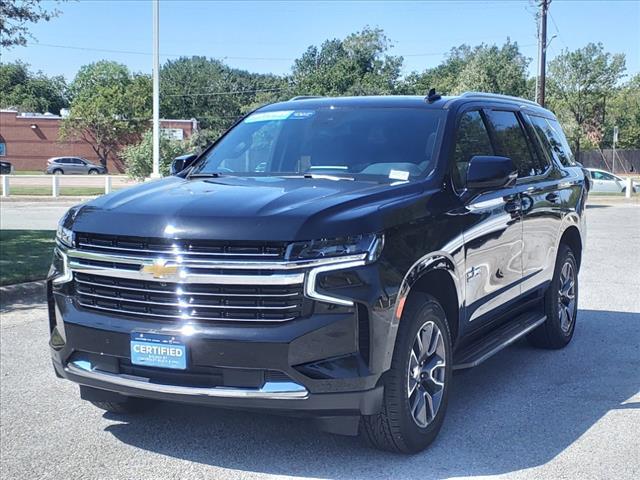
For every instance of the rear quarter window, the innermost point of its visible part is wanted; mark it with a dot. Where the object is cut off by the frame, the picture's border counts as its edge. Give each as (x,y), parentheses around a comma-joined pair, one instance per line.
(553,139)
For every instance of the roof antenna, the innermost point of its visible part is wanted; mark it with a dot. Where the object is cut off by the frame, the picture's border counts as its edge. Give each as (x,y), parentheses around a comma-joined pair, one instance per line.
(432,96)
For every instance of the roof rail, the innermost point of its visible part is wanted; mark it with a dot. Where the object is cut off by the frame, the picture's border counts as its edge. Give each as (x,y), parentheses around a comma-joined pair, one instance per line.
(305,97)
(498,96)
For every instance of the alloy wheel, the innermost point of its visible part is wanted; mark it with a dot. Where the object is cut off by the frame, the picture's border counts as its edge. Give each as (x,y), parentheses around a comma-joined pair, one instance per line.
(567,296)
(426,374)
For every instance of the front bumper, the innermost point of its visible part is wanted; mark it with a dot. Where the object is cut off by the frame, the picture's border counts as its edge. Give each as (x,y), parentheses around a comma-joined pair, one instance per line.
(309,366)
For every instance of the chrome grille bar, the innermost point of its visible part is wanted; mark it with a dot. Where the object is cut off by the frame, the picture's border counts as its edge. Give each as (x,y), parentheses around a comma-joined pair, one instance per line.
(184,292)
(189,305)
(182,317)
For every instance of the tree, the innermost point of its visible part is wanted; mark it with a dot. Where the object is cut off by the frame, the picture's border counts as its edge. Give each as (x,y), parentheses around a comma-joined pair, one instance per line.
(579,83)
(138,158)
(623,111)
(357,65)
(483,68)
(15,14)
(212,92)
(31,92)
(110,107)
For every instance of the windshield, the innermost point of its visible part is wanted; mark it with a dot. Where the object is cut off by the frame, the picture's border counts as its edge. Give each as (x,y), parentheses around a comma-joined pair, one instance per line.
(397,143)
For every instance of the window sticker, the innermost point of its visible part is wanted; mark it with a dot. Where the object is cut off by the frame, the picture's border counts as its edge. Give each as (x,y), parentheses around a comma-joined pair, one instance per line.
(268,116)
(302,114)
(398,175)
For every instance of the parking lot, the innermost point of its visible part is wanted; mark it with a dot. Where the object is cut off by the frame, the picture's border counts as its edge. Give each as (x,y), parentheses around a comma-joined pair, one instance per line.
(525,413)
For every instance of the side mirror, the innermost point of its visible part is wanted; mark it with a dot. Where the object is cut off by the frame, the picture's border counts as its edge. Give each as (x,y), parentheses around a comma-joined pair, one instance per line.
(488,173)
(180,163)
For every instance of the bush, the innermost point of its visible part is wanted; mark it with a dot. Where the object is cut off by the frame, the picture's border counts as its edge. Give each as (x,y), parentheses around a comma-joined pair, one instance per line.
(138,158)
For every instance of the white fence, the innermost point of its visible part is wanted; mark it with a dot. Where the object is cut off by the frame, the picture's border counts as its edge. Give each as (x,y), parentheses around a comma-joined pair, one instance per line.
(96,184)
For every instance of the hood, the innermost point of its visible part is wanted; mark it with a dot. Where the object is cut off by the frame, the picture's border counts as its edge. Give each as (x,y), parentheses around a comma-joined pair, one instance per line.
(244,208)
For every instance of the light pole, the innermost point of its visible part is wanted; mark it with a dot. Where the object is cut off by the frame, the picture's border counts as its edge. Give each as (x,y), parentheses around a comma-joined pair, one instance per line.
(156,90)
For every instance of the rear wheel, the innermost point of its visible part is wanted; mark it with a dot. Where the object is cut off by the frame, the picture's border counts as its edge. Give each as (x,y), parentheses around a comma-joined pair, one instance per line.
(416,387)
(561,304)
(129,405)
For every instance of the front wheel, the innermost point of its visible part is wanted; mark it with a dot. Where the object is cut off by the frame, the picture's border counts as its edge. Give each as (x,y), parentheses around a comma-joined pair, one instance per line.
(93,171)
(561,304)
(417,385)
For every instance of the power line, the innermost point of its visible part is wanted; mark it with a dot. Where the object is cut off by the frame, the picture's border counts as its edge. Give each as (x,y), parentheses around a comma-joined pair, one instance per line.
(237,92)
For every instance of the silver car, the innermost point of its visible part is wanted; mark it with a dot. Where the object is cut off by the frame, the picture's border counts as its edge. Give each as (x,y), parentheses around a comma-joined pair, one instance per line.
(73,165)
(603,181)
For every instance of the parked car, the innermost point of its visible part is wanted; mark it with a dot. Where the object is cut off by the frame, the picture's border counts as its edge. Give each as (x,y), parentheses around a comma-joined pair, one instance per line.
(73,165)
(603,181)
(6,168)
(336,258)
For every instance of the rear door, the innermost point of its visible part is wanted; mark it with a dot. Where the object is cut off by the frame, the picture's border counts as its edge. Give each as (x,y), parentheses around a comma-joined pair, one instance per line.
(605,182)
(542,191)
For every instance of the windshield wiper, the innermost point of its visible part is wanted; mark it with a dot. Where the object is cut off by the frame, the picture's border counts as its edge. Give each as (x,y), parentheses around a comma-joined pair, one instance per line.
(326,177)
(205,175)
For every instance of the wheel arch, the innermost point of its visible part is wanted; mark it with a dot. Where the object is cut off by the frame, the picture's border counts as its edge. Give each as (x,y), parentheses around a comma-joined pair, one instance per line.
(572,238)
(435,274)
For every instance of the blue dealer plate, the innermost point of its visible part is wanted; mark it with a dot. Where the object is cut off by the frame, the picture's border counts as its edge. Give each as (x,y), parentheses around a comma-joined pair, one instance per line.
(155,350)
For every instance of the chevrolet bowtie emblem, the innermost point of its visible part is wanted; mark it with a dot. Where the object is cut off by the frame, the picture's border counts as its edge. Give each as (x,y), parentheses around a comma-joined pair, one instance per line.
(160,269)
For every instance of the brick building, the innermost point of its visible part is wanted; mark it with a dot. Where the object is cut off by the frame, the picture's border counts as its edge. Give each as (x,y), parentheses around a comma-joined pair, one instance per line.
(27,140)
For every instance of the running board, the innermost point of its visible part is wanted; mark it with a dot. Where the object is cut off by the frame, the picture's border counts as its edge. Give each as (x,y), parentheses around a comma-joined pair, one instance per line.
(487,346)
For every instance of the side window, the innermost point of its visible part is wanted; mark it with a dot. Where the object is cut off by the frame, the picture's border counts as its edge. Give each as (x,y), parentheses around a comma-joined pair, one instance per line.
(3,148)
(602,176)
(512,142)
(553,139)
(472,139)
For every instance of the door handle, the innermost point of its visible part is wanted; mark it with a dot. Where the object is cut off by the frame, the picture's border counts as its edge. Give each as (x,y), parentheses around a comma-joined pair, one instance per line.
(553,197)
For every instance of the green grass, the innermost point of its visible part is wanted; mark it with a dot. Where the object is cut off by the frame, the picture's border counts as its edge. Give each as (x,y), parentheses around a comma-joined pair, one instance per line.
(25,255)
(28,172)
(46,191)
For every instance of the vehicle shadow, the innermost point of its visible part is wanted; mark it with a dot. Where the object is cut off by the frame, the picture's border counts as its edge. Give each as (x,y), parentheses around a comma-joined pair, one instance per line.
(518,410)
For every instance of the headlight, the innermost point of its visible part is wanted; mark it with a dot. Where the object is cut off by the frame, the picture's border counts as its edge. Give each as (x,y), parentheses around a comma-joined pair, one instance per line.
(370,244)
(65,236)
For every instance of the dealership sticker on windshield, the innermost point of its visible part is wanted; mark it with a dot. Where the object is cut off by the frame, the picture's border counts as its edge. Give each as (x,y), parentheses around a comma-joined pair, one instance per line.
(268,116)
(398,175)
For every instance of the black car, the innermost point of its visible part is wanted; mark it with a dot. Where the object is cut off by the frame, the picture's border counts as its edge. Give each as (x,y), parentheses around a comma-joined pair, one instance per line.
(6,168)
(328,257)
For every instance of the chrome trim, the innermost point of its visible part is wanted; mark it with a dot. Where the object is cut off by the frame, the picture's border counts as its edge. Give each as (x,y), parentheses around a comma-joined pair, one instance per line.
(187,278)
(187,305)
(310,286)
(184,317)
(179,252)
(67,275)
(269,391)
(199,263)
(182,292)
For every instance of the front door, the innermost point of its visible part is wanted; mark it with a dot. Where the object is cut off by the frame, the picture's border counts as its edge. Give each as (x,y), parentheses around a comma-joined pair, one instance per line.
(492,231)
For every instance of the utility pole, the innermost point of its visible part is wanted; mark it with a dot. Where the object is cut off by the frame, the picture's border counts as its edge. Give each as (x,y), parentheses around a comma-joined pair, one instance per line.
(542,51)
(156,90)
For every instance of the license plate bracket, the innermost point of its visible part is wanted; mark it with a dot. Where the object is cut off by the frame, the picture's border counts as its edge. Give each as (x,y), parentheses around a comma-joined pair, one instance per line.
(158,350)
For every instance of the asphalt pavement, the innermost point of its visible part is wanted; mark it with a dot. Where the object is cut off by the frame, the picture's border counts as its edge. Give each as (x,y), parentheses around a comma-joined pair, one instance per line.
(523,414)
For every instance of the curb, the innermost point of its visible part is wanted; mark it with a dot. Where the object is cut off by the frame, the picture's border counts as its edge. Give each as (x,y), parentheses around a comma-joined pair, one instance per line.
(34,291)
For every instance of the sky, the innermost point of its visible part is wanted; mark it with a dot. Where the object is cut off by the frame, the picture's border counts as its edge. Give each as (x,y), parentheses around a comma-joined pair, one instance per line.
(267,36)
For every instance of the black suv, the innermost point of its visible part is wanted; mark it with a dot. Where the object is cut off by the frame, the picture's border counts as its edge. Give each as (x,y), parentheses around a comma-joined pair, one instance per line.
(329,257)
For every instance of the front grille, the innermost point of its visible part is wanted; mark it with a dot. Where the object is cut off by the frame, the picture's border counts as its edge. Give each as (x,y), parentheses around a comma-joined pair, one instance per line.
(200,249)
(208,302)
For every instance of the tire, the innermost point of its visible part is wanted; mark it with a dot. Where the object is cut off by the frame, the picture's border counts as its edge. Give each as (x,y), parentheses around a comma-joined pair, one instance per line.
(93,171)
(58,171)
(130,405)
(395,428)
(561,309)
